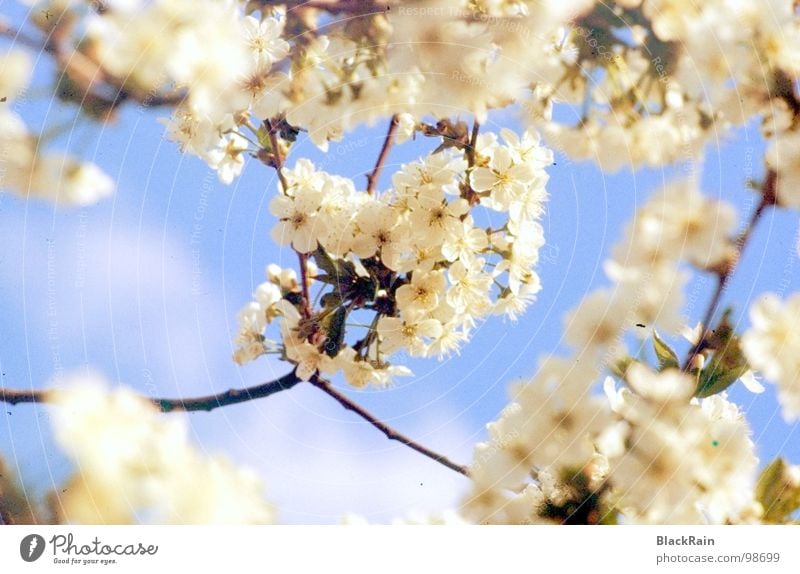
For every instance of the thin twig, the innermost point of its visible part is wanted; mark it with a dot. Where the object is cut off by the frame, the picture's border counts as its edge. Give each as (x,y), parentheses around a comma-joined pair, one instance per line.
(723,277)
(277,158)
(90,75)
(473,143)
(277,161)
(359,7)
(372,178)
(306,291)
(390,433)
(17,35)
(229,397)
(204,403)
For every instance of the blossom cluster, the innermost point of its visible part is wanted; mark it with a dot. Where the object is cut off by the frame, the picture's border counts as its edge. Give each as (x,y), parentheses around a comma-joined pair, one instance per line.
(135,465)
(414,256)
(772,345)
(24,167)
(560,451)
(654,78)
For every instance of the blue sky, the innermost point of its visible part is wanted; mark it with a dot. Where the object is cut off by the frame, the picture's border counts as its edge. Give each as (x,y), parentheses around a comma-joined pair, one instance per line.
(144,288)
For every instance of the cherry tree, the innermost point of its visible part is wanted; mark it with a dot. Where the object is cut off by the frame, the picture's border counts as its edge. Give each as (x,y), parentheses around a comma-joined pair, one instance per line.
(407,264)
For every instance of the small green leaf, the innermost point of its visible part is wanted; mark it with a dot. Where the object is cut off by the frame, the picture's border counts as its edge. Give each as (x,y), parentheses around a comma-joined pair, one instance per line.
(777,492)
(335,328)
(263,138)
(727,363)
(619,368)
(667,359)
(340,272)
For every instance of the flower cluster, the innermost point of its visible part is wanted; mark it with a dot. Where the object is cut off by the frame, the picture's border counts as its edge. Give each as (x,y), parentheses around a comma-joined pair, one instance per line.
(414,256)
(133,465)
(224,61)
(654,78)
(561,453)
(673,461)
(24,167)
(772,345)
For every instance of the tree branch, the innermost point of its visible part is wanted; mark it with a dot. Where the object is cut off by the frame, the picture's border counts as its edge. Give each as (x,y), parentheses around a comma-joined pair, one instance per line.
(230,397)
(723,277)
(390,433)
(354,7)
(96,84)
(235,396)
(473,143)
(372,178)
(205,403)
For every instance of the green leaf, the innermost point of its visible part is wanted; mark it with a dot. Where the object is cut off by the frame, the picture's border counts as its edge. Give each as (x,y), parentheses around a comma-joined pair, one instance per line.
(339,272)
(777,492)
(334,326)
(263,138)
(667,359)
(619,368)
(727,364)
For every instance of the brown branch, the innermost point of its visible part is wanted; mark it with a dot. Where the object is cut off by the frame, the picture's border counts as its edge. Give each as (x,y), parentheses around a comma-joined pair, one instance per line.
(235,396)
(17,35)
(205,403)
(471,148)
(473,143)
(277,158)
(306,291)
(96,84)
(390,433)
(354,7)
(229,397)
(16,397)
(372,178)
(723,277)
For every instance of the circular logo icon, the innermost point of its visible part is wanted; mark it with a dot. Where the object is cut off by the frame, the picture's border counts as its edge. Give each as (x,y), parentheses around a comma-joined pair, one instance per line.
(31,548)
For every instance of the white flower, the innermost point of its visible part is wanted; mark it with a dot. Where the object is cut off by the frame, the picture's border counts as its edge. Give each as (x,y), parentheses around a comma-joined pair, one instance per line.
(432,178)
(464,241)
(264,40)
(680,223)
(654,295)
(421,294)
(507,181)
(408,334)
(669,386)
(783,156)
(772,346)
(406,127)
(285,278)
(361,372)
(470,285)
(250,340)
(134,464)
(432,224)
(66,180)
(597,322)
(528,148)
(15,73)
(376,225)
(228,157)
(194,134)
(299,224)
(307,357)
